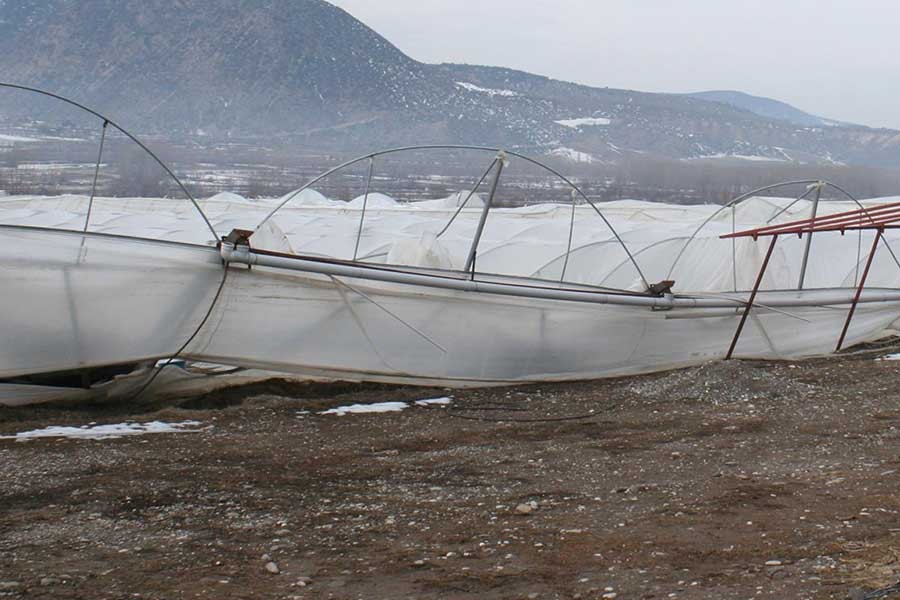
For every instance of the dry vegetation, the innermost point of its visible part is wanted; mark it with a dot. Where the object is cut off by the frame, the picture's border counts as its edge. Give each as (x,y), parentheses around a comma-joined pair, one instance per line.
(248,168)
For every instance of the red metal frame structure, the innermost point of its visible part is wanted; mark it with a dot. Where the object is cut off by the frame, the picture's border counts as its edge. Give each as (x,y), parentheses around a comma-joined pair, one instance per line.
(878,219)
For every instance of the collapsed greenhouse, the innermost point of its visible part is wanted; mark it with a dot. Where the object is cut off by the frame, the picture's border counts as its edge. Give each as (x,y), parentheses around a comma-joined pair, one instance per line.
(453,292)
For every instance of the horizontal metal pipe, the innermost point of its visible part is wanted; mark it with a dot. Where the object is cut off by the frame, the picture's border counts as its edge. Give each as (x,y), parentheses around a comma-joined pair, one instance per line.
(784,299)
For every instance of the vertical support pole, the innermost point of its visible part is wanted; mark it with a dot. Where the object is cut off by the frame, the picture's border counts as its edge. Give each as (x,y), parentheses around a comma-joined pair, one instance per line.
(734,245)
(470,260)
(87,218)
(859,290)
(815,212)
(362,217)
(749,307)
(562,277)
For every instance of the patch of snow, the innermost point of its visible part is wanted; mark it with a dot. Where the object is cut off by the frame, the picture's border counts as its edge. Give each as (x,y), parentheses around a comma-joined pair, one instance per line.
(757,158)
(383,407)
(471,87)
(52,166)
(435,402)
(782,151)
(573,155)
(16,138)
(359,409)
(890,357)
(747,157)
(105,432)
(583,122)
(56,138)
(31,140)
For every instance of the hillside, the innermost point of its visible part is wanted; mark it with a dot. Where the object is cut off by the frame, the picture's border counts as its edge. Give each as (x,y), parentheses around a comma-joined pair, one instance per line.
(767,107)
(307,73)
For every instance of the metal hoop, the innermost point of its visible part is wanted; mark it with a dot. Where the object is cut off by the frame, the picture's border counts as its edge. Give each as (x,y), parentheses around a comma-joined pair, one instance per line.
(528,159)
(108,121)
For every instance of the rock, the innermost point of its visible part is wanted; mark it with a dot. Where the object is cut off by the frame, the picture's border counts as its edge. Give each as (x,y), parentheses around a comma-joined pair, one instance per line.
(265,558)
(283,532)
(49,581)
(773,563)
(304,581)
(419,563)
(272,568)
(856,594)
(9,585)
(524,509)
(610,596)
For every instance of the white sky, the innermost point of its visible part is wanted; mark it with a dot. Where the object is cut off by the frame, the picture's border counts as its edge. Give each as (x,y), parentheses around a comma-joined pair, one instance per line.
(835,58)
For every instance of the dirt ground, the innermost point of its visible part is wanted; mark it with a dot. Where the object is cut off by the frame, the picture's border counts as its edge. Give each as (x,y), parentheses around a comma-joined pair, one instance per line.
(733,480)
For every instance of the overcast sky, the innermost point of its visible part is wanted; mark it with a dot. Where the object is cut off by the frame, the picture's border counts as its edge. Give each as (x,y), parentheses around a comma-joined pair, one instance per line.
(835,58)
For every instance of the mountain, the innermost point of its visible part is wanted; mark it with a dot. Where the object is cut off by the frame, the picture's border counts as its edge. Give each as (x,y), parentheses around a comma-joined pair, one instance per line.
(306,73)
(766,107)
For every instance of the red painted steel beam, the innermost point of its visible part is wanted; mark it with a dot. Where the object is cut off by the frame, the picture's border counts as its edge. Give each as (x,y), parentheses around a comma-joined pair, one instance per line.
(873,218)
(859,291)
(759,278)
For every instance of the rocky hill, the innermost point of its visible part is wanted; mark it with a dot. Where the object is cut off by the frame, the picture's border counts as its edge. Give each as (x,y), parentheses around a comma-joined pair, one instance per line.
(308,73)
(767,107)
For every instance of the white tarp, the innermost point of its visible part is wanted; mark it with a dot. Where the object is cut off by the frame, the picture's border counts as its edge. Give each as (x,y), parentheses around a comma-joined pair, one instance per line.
(73,302)
(529,241)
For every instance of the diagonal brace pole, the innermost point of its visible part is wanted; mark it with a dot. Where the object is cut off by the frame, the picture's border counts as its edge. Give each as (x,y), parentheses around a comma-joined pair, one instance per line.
(473,251)
(815,212)
(759,278)
(362,215)
(87,217)
(859,290)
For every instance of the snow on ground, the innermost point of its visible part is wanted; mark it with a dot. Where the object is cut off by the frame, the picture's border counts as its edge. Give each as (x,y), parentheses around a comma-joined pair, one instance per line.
(10,138)
(583,122)
(358,409)
(471,87)
(53,166)
(383,407)
(573,155)
(105,432)
(890,357)
(16,138)
(747,157)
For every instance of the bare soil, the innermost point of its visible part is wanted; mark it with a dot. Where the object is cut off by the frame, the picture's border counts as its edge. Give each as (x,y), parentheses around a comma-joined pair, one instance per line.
(733,480)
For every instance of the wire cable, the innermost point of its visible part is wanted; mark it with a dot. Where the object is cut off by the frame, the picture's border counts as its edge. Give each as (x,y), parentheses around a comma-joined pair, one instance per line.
(162,365)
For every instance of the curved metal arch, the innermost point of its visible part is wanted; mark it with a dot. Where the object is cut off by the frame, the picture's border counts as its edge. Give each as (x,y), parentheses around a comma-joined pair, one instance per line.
(638,253)
(567,255)
(722,208)
(761,190)
(107,121)
(528,159)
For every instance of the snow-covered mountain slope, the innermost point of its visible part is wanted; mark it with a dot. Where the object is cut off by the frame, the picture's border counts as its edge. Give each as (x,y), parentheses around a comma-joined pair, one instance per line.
(311,75)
